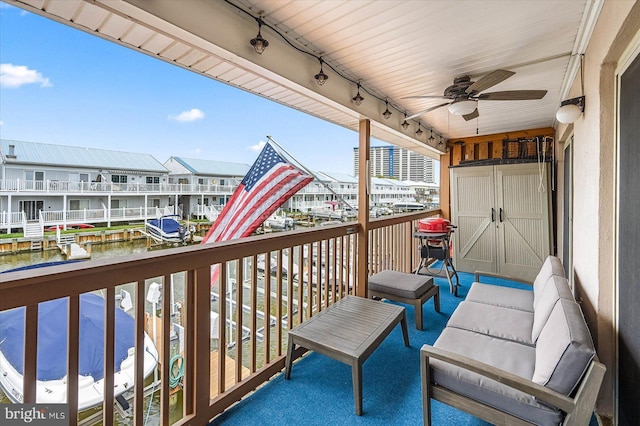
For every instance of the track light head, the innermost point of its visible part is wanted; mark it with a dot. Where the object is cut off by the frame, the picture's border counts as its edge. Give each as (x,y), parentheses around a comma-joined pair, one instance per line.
(404,124)
(321,77)
(259,43)
(357,99)
(386,112)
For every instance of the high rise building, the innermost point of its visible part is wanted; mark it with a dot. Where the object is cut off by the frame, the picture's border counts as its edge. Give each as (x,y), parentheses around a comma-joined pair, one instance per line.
(400,163)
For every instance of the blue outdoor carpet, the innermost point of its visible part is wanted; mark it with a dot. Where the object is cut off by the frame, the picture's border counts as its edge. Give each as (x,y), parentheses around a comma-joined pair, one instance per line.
(320,390)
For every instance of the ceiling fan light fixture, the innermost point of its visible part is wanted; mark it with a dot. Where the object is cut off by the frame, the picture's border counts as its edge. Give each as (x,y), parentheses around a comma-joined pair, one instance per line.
(259,43)
(357,99)
(570,110)
(462,107)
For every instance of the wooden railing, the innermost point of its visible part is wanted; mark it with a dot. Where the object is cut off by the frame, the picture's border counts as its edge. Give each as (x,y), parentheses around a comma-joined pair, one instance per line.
(310,269)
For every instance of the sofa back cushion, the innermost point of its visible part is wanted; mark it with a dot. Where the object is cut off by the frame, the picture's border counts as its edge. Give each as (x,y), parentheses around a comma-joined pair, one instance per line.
(564,348)
(551,266)
(555,288)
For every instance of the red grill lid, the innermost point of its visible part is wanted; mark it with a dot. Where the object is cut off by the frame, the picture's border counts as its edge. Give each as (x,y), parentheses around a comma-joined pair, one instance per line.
(434,224)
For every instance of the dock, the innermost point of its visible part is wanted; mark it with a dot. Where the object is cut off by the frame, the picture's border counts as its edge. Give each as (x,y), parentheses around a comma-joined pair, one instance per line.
(70,249)
(229,363)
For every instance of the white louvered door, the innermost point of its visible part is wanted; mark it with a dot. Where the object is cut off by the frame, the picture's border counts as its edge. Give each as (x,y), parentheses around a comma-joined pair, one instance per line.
(523,219)
(502,214)
(474,213)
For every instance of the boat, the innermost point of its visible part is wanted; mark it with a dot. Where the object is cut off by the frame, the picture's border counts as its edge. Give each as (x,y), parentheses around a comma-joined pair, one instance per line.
(168,229)
(70,226)
(325,213)
(279,221)
(407,206)
(51,384)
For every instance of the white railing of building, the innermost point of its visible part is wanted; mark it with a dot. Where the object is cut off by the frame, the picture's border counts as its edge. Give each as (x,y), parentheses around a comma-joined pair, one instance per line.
(64,187)
(68,217)
(13,218)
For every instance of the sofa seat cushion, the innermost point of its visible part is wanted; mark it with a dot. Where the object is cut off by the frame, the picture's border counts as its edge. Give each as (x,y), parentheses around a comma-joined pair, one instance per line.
(409,286)
(564,348)
(506,297)
(510,356)
(556,288)
(496,321)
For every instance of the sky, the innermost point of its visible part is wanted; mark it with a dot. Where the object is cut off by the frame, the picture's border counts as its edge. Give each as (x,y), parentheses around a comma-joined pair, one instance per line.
(59,85)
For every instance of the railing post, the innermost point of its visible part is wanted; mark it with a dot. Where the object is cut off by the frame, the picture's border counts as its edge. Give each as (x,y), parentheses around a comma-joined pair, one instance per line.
(201,339)
(363,209)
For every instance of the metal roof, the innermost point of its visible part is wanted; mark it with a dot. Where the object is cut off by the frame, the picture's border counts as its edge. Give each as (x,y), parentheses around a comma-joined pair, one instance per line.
(337,177)
(33,153)
(210,167)
(387,182)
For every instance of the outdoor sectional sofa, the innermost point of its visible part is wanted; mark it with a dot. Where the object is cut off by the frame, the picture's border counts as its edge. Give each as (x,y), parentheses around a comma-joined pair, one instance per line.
(515,356)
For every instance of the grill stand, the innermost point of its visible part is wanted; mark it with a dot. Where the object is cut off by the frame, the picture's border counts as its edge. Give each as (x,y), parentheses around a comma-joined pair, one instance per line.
(440,250)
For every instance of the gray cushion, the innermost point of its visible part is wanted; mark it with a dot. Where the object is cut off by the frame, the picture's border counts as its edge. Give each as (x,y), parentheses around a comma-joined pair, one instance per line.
(555,289)
(551,266)
(409,286)
(506,297)
(564,348)
(510,356)
(496,321)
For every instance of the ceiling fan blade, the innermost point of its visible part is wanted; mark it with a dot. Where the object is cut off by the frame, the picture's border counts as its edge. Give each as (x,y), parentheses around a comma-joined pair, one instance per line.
(471,116)
(489,80)
(426,97)
(426,111)
(513,95)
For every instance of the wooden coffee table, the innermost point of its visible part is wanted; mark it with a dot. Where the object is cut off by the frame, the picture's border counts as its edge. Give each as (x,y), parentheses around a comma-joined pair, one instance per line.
(348,331)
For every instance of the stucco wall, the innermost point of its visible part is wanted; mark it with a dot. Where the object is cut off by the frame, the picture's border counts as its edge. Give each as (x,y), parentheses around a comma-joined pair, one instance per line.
(594,182)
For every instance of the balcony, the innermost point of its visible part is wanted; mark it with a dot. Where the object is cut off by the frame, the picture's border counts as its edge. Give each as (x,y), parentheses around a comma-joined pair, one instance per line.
(17,186)
(329,261)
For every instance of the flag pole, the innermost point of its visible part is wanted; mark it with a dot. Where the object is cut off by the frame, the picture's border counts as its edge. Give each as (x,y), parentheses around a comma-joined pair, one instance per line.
(338,196)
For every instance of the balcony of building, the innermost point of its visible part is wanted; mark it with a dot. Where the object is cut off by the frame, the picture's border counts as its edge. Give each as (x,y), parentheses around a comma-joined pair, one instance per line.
(26,187)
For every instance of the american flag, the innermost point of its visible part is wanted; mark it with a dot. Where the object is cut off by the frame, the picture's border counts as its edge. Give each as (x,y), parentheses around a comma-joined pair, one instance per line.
(270,182)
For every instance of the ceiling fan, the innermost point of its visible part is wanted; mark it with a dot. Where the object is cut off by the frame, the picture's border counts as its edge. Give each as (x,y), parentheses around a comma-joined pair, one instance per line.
(465,94)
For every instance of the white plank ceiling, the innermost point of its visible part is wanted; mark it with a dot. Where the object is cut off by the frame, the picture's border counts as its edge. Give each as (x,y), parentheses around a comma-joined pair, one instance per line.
(394,48)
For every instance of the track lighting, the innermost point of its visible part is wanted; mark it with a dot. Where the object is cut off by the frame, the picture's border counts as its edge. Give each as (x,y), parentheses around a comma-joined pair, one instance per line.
(259,43)
(404,124)
(357,99)
(419,131)
(386,112)
(431,138)
(321,77)
(440,143)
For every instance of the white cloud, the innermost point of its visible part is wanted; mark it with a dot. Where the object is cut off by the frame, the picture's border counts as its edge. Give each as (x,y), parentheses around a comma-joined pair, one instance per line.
(1,123)
(185,116)
(14,76)
(257,147)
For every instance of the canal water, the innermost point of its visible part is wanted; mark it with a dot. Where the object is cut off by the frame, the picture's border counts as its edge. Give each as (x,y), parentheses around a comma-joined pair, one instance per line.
(98,251)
